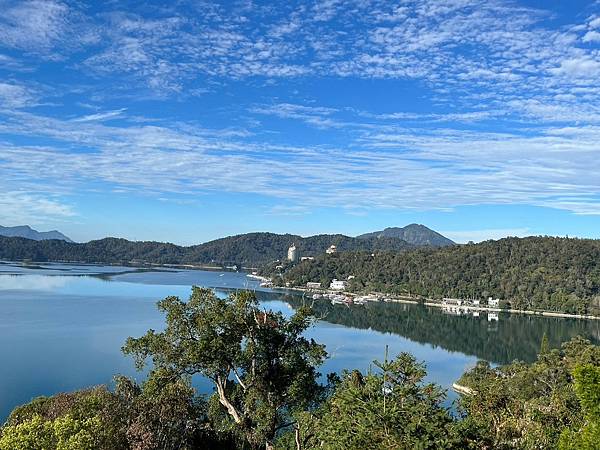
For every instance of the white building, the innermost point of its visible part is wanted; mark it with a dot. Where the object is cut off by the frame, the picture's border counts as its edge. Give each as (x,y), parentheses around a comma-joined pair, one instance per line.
(331,249)
(313,285)
(493,302)
(337,285)
(307,258)
(452,301)
(292,253)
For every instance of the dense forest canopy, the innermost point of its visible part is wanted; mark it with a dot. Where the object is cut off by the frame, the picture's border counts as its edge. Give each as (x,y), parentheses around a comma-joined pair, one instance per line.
(541,273)
(250,249)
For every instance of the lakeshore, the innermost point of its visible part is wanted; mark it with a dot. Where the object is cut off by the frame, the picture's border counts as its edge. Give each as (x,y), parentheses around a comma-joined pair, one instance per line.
(434,303)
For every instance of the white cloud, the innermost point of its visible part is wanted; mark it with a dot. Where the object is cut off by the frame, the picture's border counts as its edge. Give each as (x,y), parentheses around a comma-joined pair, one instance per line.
(579,67)
(31,25)
(98,117)
(478,60)
(594,22)
(18,208)
(15,95)
(591,36)
(380,167)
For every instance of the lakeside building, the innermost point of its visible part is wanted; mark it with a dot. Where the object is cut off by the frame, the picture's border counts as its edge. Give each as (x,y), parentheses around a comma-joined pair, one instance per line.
(493,302)
(313,285)
(337,285)
(292,254)
(332,249)
(307,258)
(452,301)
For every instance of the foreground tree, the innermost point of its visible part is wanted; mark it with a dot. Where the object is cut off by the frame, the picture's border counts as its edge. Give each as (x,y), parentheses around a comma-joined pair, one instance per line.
(388,408)
(163,413)
(587,387)
(527,406)
(262,367)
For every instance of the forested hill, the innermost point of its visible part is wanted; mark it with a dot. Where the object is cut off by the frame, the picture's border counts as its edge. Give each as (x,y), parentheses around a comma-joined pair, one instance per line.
(247,249)
(555,274)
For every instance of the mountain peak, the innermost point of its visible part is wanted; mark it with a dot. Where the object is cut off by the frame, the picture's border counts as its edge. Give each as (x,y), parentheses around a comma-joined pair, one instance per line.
(25,231)
(414,233)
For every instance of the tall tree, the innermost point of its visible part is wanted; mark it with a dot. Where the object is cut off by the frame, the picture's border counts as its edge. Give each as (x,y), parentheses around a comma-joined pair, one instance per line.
(261,365)
(389,408)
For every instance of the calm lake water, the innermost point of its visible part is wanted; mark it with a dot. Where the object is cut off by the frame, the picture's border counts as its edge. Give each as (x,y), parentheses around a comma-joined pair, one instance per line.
(62,327)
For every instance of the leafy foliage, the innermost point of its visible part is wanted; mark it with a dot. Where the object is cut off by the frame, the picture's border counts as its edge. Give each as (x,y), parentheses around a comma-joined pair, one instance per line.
(63,433)
(587,388)
(262,367)
(526,406)
(163,413)
(389,408)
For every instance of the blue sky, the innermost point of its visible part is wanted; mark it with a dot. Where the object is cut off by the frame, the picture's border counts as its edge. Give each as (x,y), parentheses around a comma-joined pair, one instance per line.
(190,121)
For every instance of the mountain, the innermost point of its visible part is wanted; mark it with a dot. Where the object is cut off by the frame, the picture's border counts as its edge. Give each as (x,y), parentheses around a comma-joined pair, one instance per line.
(26,231)
(414,234)
(249,249)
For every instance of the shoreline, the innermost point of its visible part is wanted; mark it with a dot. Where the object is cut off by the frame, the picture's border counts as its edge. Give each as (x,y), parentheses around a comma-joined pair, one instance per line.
(435,304)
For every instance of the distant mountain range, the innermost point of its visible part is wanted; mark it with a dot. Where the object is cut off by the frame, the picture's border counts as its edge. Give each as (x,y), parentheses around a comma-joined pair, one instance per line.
(250,249)
(414,234)
(25,231)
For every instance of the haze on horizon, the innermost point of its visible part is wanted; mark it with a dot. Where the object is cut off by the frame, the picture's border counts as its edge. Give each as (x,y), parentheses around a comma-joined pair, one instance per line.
(477,118)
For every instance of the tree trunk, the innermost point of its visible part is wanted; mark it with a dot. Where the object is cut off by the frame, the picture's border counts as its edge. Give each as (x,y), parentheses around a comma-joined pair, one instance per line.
(225,402)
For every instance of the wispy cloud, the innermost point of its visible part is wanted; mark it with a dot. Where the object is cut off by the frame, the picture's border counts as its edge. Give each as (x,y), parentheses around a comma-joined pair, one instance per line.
(14,95)
(98,117)
(18,207)
(385,168)
(515,115)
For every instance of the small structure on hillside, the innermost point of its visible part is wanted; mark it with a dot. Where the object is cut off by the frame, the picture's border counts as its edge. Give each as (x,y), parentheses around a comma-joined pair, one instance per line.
(313,285)
(332,249)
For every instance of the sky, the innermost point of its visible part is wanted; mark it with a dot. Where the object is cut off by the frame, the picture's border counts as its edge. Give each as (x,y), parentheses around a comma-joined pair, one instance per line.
(186,121)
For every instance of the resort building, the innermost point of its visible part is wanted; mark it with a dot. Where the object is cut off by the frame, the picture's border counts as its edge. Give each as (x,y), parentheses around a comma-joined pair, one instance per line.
(452,302)
(337,285)
(331,249)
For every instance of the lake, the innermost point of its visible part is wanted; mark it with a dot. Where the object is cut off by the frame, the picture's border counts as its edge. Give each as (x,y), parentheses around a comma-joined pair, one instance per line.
(62,327)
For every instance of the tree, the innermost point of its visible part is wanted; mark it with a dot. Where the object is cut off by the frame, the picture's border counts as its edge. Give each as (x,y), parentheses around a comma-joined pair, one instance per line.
(63,433)
(389,408)
(587,388)
(527,405)
(262,367)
